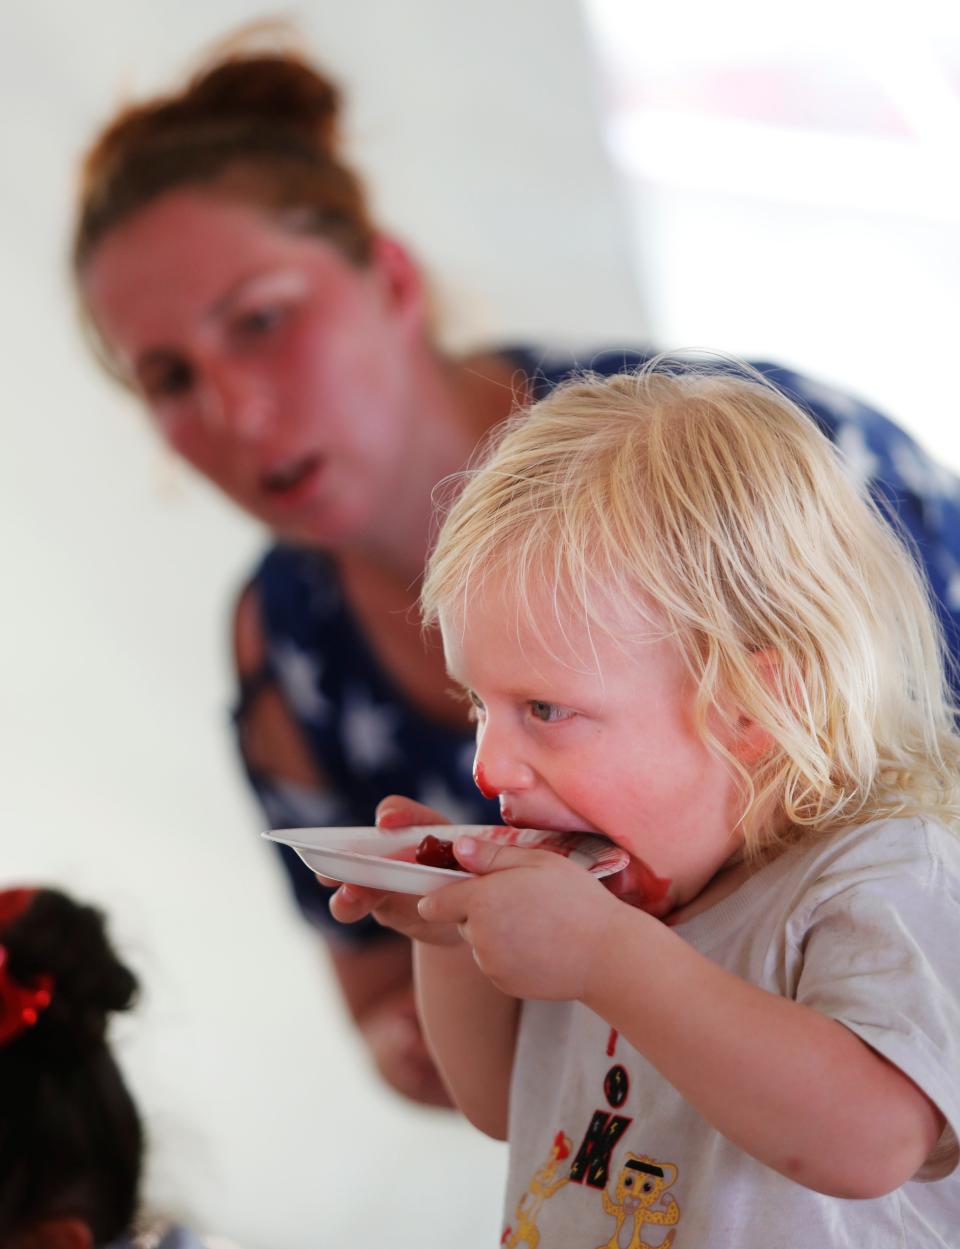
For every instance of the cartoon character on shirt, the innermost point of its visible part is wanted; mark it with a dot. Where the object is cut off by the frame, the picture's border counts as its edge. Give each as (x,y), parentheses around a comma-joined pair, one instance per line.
(544,1184)
(640,1186)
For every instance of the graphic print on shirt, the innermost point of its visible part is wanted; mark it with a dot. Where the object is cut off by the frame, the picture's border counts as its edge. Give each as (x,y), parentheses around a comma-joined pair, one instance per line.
(640,1193)
(591,1166)
(544,1184)
(642,1185)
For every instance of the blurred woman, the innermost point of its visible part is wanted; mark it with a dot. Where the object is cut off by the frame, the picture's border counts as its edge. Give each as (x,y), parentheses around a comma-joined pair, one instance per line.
(233,278)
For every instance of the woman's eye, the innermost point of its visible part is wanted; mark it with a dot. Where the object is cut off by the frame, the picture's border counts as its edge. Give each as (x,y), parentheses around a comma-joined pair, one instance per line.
(176,379)
(258,322)
(549,713)
(477,708)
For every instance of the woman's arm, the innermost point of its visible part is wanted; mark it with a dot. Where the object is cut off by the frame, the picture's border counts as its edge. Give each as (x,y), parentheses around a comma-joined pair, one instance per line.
(794,1088)
(470,1025)
(471,1028)
(376,979)
(377,985)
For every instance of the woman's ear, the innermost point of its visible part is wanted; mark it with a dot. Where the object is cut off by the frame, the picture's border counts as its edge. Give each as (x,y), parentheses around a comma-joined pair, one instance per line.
(401,277)
(62,1233)
(751,740)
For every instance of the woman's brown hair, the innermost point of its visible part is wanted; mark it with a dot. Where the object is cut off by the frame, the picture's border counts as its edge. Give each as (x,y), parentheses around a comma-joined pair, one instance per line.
(256,126)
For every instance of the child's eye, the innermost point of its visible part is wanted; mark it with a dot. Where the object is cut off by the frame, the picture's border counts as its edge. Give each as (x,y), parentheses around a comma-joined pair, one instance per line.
(549,713)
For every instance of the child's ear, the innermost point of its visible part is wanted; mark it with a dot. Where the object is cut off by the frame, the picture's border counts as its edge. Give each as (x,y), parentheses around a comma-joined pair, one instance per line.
(752,741)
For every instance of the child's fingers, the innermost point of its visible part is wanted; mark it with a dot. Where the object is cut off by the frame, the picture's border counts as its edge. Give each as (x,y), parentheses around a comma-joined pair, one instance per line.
(395,811)
(481,856)
(448,905)
(352,902)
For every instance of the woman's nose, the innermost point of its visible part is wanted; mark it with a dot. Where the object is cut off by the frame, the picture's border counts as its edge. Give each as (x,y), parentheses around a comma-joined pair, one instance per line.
(499,767)
(234,403)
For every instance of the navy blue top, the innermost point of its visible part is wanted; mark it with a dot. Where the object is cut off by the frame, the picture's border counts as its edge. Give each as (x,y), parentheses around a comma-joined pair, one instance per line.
(368,741)
(165,1236)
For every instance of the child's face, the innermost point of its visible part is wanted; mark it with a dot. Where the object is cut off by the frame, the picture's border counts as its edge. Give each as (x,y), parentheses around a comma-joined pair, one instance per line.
(596,740)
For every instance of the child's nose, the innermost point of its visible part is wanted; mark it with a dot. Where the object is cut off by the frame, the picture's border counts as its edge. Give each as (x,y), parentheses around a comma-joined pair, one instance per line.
(498,768)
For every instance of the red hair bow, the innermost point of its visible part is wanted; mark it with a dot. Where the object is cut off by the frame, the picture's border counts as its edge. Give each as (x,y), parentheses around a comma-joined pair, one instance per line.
(20,1004)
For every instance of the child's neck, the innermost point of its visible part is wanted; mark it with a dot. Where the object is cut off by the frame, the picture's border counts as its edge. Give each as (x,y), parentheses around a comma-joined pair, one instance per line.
(727,881)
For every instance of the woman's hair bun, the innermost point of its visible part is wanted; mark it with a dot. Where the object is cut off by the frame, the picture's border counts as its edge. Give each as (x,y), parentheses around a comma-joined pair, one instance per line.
(257,121)
(68,941)
(279,90)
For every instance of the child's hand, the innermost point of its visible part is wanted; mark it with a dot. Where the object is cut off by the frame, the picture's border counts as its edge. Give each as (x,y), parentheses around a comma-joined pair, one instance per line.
(393,910)
(536,922)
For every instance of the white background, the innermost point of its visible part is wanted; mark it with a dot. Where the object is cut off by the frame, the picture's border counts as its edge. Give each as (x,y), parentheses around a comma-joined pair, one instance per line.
(119,780)
(478,124)
(793,187)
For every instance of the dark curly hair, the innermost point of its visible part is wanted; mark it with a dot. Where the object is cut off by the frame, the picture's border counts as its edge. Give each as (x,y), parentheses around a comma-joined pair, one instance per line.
(71,1142)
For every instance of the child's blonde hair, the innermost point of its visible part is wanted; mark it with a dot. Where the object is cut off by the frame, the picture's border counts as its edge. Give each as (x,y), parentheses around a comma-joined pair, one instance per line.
(700,498)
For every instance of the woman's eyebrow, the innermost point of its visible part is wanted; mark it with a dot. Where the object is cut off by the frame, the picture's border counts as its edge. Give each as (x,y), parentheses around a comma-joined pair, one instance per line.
(271,281)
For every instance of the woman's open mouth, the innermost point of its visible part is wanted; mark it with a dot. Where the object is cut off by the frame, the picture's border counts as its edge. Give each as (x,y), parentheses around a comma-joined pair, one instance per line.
(291,482)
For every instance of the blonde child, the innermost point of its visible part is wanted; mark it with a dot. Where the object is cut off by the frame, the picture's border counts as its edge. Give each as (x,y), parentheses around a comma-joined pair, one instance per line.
(681,627)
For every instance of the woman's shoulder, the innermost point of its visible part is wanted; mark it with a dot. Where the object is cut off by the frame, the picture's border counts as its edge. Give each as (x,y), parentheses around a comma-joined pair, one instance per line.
(876,450)
(547,367)
(284,567)
(291,590)
(879,454)
(834,409)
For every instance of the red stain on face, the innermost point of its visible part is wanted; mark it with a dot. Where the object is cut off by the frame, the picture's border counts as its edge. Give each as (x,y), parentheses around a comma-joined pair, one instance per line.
(639,885)
(480,780)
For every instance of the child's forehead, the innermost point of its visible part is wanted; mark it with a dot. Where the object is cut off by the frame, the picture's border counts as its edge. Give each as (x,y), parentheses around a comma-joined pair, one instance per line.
(532,622)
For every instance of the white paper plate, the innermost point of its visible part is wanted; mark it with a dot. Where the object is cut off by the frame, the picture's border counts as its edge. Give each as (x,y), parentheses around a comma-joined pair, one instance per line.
(381,860)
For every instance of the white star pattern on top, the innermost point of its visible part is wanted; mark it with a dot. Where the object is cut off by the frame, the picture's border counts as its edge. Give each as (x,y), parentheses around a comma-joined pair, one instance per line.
(923,476)
(368,731)
(291,805)
(299,674)
(952,593)
(835,401)
(950,570)
(859,462)
(433,792)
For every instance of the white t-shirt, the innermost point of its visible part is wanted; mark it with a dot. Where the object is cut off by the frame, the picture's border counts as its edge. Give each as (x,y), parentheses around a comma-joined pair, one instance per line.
(863,927)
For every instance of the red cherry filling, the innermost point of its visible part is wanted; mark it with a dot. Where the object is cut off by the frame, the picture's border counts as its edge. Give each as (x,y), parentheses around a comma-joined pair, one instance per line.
(432,852)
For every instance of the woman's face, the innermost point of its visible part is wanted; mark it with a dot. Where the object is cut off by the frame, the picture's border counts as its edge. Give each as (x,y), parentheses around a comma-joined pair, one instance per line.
(278,369)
